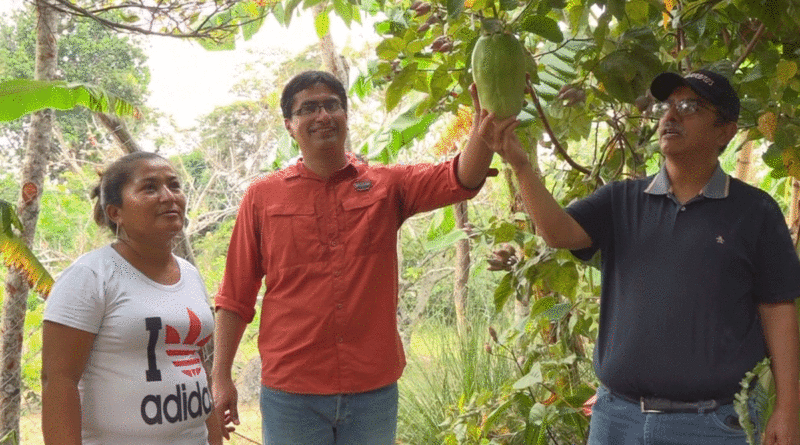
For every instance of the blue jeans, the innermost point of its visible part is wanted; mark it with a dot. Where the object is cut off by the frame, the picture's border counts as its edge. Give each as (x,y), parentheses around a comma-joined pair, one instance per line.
(368,418)
(616,421)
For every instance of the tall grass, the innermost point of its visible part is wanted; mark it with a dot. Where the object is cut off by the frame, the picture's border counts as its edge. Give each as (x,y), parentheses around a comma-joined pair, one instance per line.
(448,377)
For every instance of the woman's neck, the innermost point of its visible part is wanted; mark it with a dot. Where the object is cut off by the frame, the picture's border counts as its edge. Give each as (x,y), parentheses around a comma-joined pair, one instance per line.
(154,261)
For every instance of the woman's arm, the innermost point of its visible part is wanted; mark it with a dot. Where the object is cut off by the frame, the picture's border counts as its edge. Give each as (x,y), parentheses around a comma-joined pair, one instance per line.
(65,352)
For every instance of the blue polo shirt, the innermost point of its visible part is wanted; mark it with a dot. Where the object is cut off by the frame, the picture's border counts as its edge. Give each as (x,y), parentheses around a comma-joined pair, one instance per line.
(681,283)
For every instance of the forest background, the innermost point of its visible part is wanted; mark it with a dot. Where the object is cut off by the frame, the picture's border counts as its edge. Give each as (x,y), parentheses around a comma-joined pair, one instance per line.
(499,328)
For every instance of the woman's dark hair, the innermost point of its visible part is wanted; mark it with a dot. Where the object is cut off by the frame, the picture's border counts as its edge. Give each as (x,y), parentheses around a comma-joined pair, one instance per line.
(112,181)
(308,79)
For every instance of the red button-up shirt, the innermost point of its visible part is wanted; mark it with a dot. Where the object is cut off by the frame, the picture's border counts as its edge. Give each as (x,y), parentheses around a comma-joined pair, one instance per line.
(327,251)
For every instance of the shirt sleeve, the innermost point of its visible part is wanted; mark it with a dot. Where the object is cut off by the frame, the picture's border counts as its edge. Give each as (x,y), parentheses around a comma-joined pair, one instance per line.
(594,214)
(427,187)
(777,267)
(77,300)
(243,266)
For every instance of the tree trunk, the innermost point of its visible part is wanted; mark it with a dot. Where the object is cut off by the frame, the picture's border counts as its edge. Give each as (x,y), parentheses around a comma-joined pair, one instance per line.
(744,160)
(460,288)
(33,171)
(794,214)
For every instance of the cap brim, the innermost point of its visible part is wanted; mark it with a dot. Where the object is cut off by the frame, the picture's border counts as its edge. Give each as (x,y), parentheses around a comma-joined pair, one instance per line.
(664,84)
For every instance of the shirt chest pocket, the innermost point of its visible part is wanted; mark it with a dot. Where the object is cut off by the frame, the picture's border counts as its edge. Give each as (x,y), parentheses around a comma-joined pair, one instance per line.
(368,221)
(294,237)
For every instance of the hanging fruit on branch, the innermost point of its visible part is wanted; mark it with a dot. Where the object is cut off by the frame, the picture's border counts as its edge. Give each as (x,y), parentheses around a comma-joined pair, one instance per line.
(498,69)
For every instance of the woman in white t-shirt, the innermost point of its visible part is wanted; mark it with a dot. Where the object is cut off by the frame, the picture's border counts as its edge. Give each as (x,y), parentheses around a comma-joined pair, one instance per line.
(125,325)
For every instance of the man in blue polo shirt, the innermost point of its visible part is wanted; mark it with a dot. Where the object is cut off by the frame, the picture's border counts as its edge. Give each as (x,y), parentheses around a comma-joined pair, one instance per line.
(699,280)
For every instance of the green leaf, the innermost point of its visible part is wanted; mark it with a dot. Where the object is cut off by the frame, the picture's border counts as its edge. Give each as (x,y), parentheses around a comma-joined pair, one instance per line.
(15,254)
(454,8)
(540,306)
(444,221)
(251,17)
(407,127)
(344,10)
(494,416)
(19,97)
(627,73)
(533,377)
(503,290)
(390,48)
(322,23)
(505,233)
(400,85)
(445,240)
(543,26)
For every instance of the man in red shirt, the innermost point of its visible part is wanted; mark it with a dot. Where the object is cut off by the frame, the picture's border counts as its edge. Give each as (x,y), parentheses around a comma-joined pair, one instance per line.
(322,234)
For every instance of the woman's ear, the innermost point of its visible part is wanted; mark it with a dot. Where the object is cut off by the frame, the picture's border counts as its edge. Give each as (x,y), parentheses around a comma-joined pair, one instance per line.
(113,213)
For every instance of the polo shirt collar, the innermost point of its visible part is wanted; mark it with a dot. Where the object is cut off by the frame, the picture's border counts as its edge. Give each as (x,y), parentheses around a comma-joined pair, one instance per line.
(716,188)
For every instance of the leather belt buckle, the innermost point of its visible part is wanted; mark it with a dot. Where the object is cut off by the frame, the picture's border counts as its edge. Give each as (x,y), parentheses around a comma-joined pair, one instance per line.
(646,409)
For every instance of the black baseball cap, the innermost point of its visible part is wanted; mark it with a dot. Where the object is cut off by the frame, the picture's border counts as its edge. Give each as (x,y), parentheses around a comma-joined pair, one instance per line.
(711,86)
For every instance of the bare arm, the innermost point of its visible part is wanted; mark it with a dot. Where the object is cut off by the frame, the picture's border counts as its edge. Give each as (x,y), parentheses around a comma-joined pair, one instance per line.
(65,352)
(477,154)
(553,224)
(228,330)
(779,322)
(212,421)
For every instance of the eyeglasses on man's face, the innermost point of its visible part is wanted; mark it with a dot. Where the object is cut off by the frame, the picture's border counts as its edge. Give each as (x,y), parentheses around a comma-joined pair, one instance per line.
(683,107)
(311,107)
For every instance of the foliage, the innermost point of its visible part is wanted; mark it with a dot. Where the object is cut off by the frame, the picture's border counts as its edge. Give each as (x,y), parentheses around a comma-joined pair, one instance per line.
(89,54)
(755,385)
(15,254)
(215,24)
(21,96)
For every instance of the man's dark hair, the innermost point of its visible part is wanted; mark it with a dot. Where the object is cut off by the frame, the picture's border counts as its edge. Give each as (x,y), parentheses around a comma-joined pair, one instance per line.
(308,79)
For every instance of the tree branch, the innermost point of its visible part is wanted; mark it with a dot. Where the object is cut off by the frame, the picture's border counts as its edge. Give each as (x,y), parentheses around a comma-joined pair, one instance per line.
(556,145)
(750,47)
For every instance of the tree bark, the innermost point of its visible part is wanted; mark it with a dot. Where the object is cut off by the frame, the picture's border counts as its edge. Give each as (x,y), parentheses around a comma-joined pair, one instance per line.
(33,172)
(744,162)
(460,287)
(794,214)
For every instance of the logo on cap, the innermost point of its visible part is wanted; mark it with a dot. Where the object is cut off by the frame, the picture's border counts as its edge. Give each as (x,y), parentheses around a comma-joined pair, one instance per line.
(702,77)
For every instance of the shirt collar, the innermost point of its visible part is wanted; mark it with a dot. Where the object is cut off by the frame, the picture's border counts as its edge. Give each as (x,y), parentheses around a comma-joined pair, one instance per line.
(716,188)
(299,169)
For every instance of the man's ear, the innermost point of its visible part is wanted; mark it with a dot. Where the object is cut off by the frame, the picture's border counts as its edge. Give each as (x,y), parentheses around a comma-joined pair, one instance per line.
(288,124)
(728,132)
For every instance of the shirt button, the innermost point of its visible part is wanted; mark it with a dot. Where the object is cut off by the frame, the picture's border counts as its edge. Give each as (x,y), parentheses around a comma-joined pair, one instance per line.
(339,306)
(683,208)
(333,243)
(340,339)
(337,273)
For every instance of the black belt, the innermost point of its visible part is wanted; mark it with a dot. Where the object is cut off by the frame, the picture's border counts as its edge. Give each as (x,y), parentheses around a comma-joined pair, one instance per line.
(664,406)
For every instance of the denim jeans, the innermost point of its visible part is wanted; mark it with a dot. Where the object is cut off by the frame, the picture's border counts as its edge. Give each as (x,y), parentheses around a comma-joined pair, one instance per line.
(616,421)
(368,418)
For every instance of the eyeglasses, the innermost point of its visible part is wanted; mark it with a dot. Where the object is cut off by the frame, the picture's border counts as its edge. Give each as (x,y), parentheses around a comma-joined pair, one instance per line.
(683,107)
(309,108)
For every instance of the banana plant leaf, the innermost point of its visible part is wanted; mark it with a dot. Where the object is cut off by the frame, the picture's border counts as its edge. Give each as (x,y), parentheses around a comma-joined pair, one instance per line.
(19,97)
(16,255)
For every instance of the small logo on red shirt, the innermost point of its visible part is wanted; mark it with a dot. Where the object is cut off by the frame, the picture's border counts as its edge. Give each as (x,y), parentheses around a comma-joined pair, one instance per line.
(362,186)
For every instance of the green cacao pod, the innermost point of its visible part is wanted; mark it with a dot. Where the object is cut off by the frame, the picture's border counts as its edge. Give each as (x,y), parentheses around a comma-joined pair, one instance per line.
(498,69)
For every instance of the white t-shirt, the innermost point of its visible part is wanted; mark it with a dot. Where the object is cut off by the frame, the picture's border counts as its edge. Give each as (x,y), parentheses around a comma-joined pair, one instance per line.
(144,383)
